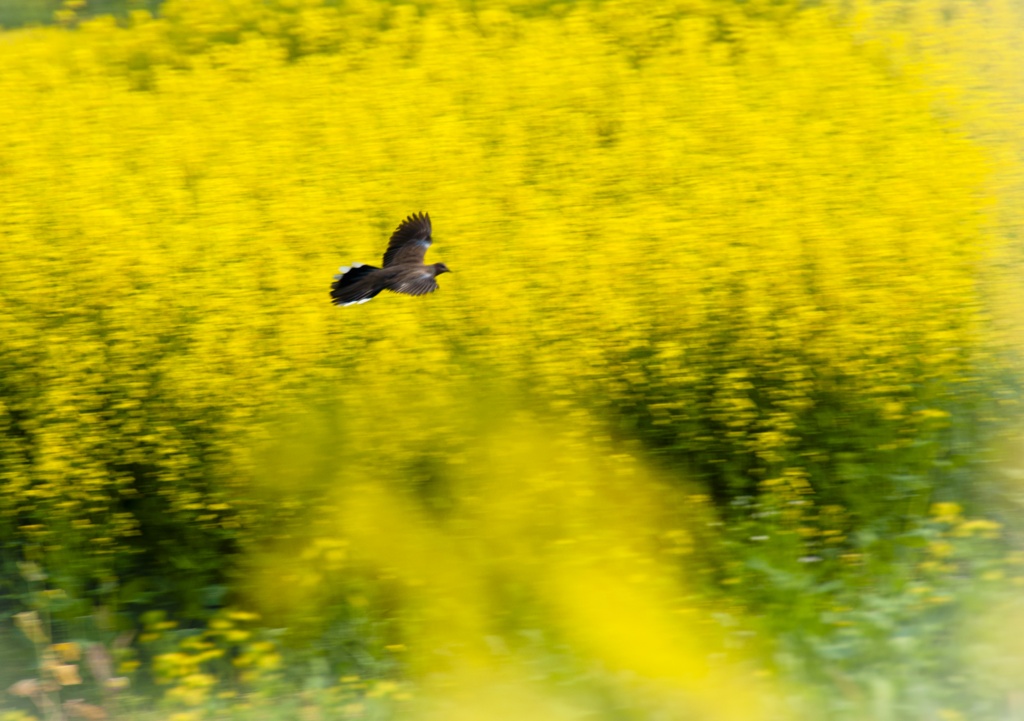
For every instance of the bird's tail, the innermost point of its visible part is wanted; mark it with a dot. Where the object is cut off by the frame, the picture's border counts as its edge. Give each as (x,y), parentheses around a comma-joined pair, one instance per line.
(353,285)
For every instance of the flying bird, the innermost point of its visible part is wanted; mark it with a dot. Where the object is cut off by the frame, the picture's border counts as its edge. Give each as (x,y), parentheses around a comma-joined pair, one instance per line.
(404,270)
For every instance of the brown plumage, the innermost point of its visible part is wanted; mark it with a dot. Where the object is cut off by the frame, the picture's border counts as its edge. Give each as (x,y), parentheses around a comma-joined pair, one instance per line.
(404,270)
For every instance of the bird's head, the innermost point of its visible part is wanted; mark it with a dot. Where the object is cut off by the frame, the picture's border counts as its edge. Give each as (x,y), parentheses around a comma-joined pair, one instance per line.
(440,268)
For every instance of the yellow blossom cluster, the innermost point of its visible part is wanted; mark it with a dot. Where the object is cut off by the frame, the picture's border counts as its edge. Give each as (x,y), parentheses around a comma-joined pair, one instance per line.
(750,250)
(225,657)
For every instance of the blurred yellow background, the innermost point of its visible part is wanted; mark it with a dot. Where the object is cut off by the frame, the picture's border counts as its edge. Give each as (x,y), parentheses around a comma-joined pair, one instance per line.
(716,416)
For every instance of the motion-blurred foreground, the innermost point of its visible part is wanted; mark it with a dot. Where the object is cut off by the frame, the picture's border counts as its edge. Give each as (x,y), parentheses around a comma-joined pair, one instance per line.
(718,418)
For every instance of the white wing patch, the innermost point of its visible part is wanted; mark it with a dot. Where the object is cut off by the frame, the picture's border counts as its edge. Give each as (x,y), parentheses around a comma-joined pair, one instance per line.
(355,302)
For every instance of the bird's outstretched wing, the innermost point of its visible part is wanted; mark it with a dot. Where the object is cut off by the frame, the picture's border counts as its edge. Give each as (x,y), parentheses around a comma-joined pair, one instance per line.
(413,284)
(410,241)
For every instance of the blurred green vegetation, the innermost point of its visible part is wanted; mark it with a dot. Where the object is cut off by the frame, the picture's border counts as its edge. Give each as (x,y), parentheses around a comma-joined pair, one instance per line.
(17,13)
(717,417)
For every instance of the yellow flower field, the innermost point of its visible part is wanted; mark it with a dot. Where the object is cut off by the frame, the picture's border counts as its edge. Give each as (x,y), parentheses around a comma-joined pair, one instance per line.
(721,272)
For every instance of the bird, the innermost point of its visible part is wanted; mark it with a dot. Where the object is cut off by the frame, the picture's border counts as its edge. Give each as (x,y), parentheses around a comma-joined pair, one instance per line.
(404,270)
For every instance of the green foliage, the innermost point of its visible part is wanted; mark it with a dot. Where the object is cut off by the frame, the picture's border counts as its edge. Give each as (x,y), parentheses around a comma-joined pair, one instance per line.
(15,13)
